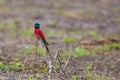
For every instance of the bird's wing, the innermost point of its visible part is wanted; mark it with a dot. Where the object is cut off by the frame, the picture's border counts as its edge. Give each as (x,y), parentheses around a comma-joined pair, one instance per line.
(41,34)
(43,37)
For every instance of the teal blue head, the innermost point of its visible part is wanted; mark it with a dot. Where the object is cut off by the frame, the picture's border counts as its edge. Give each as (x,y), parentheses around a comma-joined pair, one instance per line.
(37,25)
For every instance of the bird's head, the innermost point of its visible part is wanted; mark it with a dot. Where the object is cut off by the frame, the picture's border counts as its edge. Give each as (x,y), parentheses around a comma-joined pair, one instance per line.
(37,25)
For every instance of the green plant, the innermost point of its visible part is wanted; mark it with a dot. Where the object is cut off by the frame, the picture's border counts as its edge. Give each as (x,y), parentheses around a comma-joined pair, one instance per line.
(115,45)
(94,34)
(68,40)
(100,77)
(107,47)
(88,74)
(11,26)
(117,20)
(44,69)
(16,66)
(28,50)
(3,78)
(58,11)
(81,12)
(74,77)
(80,51)
(117,9)
(98,49)
(52,23)
(32,49)
(61,32)
(76,31)
(16,59)
(1,64)
(27,32)
(2,1)
(51,33)
(35,77)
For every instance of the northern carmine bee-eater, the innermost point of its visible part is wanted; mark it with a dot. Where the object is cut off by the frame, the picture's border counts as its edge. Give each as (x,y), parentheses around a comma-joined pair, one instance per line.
(40,36)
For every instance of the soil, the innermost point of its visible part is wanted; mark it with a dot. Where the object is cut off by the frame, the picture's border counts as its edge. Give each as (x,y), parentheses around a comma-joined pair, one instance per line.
(91,23)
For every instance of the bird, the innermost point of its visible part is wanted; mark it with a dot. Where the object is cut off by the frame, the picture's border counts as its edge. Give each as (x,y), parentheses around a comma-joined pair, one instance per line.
(39,35)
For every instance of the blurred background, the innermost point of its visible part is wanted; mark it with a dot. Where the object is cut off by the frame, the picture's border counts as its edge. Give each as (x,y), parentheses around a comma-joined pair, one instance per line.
(79,19)
(66,24)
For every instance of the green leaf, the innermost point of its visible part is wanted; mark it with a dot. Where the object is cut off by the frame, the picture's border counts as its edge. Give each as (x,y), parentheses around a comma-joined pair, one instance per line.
(69,40)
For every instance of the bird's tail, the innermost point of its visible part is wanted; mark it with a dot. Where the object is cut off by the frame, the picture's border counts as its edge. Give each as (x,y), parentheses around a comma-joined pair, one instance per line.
(48,52)
(47,48)
(44,42)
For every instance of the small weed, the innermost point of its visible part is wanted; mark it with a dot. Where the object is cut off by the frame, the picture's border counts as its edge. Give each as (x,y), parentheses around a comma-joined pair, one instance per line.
(16,66)
(61,32)
(80,51)
(52,23)
(117,9)
(2,1)
(16,59)
(117,20)
(107,47)
(97,49)
(27,32)
(65,54)
(69,40)
(51,33)
(44,69)
(2,25)
(3,78)
(81,12)
(58,11)
(112,66)
(74,77)
(115,45)
(35,77)
(11,26)
(100,77)
(1,64)
(32,49)
(41,51)
(94,34)
(88,74)
(76,31)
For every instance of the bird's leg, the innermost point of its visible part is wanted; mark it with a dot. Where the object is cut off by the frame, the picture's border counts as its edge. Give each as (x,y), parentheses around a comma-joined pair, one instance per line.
(36,49)
(36,45)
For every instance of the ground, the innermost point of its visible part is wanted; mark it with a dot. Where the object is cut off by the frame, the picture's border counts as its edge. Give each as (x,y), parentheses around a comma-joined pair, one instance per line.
(88,30)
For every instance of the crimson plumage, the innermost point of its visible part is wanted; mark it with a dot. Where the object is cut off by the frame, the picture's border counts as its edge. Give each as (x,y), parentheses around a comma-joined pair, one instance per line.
(40,36)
